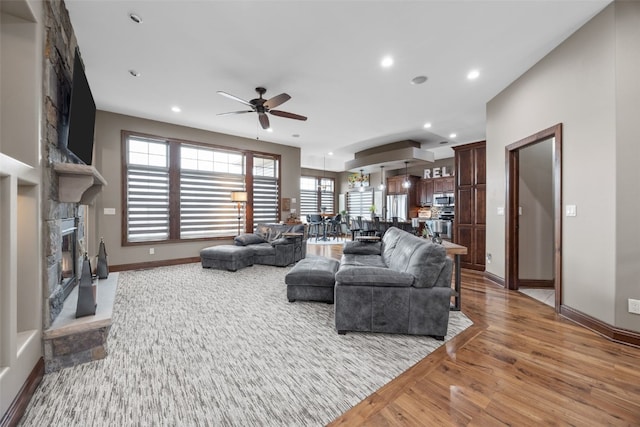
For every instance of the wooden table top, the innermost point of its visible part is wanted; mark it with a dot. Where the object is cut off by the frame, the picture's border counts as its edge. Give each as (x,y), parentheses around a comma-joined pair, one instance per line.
(368,238)
(453,248)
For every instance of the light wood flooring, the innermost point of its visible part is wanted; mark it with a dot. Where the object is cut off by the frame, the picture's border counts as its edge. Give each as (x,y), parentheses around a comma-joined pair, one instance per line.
(520,364)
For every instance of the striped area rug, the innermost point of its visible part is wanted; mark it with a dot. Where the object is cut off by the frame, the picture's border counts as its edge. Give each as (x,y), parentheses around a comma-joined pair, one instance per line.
(198,347)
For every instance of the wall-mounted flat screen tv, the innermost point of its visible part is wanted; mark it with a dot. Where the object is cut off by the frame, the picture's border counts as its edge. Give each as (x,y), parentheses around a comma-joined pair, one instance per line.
(81,118)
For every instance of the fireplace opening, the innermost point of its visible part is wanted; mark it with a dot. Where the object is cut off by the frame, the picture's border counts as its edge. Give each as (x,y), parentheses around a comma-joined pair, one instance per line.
(68,267)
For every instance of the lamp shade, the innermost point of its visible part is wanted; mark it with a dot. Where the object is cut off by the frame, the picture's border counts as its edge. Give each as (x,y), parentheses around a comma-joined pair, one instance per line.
(238,196)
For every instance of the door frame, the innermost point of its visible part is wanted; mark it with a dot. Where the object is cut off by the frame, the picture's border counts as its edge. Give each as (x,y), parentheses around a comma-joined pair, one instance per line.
(512,200)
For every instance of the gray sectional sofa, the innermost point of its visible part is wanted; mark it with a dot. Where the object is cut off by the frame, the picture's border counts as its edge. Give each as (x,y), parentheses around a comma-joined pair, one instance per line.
(399,285)
(269,245)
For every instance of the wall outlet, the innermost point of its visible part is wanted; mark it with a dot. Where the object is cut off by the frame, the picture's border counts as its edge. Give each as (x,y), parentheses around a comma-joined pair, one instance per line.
(488,258)
(571,210)
(500,210)
(152,251)
(109,211)
(634,306)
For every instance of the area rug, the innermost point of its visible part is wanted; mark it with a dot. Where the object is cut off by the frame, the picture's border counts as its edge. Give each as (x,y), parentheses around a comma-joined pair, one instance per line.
(192,346)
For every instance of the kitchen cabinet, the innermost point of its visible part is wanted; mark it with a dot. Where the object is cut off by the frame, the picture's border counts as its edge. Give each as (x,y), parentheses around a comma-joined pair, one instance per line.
(424,192)
(394,185)
(470,211)
(444,185)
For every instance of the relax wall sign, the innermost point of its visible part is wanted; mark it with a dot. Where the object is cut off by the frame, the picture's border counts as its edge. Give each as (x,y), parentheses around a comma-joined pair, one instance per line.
(442,172)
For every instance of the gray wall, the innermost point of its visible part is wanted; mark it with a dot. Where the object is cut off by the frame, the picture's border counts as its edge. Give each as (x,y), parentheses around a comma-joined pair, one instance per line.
(107,159)
(589,84)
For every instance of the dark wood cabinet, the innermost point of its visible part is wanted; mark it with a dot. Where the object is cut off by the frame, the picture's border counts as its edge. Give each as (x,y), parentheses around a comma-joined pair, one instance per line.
(470,213)
(444,185)
(394,186)
(424,192)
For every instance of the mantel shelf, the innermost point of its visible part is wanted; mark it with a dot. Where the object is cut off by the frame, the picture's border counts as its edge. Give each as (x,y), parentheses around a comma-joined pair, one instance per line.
(78,183)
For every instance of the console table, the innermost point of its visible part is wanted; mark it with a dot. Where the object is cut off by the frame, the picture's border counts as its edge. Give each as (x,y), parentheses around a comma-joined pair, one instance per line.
(455,251)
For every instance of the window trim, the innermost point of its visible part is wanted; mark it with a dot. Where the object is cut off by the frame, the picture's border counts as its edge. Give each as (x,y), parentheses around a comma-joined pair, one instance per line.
(174,186)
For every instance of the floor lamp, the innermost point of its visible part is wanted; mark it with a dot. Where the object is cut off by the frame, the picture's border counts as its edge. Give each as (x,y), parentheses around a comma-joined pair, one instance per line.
(239,197)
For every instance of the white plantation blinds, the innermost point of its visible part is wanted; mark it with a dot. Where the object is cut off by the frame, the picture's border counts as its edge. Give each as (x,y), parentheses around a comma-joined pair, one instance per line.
(358,203)
(147,189)
(266,191)
(207,178)
(316,193)
(175,190)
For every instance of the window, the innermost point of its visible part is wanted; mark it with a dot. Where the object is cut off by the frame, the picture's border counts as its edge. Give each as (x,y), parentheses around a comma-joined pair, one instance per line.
(316,193)
(176,190)
(266,192)
(207,177)
(359,202)
(147,190)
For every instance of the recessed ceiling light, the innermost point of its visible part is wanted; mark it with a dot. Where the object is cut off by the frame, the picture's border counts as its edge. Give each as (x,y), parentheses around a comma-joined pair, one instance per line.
(418,80)
(330,153)
(387,62)
(176,109)
(134,73)
(427,125)
(473,74)
(269,130)
(135,18)
(453,135)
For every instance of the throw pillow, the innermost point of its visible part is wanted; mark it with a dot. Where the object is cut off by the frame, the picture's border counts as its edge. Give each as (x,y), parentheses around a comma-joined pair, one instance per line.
(248,239)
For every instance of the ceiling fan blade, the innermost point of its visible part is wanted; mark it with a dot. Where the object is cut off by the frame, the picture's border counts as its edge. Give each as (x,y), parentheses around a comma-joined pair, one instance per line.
(264,120)
(277,100)
(235,98)
(234,112)
(287,115)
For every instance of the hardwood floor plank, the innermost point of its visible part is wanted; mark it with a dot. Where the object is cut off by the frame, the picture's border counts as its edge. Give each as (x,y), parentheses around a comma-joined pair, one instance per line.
(519,364)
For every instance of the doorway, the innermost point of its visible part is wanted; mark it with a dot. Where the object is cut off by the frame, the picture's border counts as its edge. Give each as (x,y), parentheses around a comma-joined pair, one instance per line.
(543,259)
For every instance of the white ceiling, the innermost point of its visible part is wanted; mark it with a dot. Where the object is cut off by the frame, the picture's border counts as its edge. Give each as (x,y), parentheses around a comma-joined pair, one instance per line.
(326,55)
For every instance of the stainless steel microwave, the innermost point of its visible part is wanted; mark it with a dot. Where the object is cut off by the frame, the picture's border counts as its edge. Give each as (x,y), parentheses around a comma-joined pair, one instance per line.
(443,200)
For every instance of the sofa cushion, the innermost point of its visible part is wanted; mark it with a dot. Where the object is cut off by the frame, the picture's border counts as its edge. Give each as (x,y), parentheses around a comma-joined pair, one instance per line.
(362,248)
(354,260)
(423,259)
(248,239)
(373,276)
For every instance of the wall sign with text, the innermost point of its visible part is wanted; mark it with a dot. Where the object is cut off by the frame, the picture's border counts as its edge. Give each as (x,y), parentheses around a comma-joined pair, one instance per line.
(441,172)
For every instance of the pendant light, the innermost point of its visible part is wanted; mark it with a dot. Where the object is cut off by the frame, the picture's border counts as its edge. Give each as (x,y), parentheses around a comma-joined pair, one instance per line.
(381,186)
(361,189)
(406,183)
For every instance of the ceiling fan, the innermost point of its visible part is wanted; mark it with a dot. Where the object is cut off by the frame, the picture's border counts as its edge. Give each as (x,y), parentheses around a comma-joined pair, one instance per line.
(263,106)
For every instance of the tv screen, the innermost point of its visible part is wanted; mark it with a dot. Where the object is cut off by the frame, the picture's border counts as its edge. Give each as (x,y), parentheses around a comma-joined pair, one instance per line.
(82,115)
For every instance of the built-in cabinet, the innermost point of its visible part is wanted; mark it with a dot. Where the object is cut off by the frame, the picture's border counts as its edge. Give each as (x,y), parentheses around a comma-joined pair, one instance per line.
(470,212)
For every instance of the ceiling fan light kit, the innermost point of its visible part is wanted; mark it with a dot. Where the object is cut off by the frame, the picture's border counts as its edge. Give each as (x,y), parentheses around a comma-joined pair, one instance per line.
(263,106)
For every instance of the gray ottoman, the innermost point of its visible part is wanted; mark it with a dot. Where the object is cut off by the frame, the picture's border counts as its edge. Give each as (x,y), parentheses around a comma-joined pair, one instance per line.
(312,279)
(226,257)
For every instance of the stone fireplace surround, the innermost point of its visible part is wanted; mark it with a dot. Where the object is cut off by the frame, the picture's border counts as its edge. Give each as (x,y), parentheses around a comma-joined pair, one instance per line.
(67,190)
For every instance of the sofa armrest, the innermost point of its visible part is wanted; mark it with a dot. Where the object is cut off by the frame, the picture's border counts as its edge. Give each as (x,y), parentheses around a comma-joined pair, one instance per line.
(362,248)
(373,276)
(282,241)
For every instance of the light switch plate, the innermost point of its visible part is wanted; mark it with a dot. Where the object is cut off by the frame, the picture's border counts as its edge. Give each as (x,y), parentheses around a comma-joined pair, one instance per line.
(571,210)
(500,210)
(109,211)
